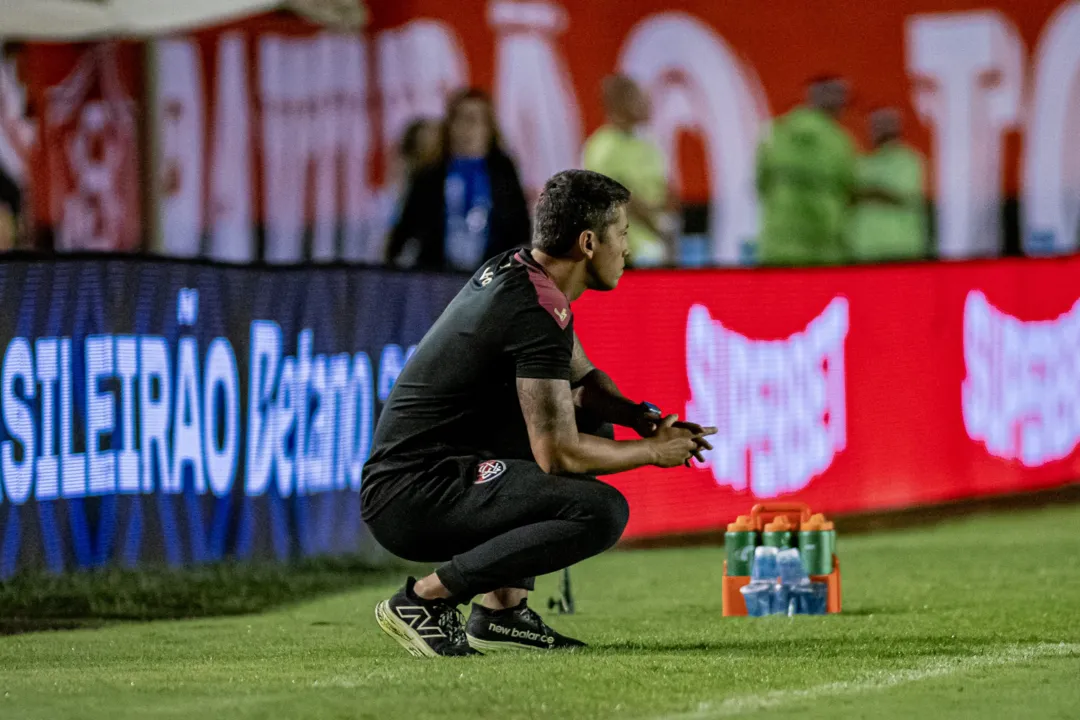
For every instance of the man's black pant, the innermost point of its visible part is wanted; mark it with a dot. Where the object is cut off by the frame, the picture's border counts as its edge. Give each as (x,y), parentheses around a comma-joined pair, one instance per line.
(500,523)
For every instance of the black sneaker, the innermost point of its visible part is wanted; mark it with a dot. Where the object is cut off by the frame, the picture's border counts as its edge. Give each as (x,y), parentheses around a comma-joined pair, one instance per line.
(518,628)
(426,628)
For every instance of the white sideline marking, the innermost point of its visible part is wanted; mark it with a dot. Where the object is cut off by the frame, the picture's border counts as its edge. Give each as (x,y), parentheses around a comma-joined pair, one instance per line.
(879,680)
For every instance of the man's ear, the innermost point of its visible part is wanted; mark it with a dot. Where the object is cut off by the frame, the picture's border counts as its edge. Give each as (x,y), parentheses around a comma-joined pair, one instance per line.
(587,243)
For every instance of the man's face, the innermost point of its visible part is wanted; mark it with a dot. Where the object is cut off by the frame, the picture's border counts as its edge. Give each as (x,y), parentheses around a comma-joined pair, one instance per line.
(427,144)
(830,96)
(609,251)
(470,133)
(627,103)
(637,105)
(884,126)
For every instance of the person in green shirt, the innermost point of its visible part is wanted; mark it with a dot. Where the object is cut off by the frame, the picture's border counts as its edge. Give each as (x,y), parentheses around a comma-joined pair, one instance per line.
(889,221)
(617,151)
(805,176)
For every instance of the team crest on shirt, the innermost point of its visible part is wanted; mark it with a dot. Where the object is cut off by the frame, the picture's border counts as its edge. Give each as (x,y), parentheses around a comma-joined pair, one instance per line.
(489,470)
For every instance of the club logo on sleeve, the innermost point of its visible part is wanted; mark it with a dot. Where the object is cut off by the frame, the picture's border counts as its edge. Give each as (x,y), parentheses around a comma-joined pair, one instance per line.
(489,470)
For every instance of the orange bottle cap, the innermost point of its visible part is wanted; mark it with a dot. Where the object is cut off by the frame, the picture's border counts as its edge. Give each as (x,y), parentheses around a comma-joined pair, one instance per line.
(817,523)
(779,524)
(741,524)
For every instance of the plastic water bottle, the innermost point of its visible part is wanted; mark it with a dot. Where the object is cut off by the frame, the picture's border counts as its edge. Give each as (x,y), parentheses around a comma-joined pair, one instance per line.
(817,543)
(779,533)
(739,542)
(759,598)
(765,567)
(809,599)
(791,567)
(792,576)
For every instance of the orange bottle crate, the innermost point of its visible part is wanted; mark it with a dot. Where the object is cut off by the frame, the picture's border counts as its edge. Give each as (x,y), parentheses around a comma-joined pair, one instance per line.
(761,514)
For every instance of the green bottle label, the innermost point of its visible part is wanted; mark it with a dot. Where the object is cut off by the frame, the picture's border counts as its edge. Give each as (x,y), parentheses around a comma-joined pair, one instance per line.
(816,549)
(739,548)
(778,539)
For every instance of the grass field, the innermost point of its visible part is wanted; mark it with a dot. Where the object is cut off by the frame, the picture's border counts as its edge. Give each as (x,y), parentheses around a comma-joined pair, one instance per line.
(977,617)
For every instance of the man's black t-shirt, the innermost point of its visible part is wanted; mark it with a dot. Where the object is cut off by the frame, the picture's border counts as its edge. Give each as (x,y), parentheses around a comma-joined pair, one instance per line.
(456,397)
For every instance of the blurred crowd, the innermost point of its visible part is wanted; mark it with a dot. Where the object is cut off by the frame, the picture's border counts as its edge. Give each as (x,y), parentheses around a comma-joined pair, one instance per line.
(454,196)
(457,198)
(823,201)
(461,200)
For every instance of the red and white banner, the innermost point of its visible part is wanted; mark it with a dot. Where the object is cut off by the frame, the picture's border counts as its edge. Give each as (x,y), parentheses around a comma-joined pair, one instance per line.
(85,166)
(850,389)
(267,123)
(303,121)
(274,123)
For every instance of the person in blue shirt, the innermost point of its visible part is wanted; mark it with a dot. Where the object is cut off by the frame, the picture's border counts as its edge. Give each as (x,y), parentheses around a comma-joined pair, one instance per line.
(469,205)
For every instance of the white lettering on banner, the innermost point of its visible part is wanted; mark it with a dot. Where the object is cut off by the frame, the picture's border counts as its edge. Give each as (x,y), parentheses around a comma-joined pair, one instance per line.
(283,420)
(181,100)
(19,420)
(17,132)
(72,464)
(697,84)
(263,372)
(285,118)
(92,162)
(779,405)
(1021,395)
(970,66)
(229,208)
(419,64)
(309,419)
(100,415)
(127,361)
(221,374)
(187,420)
(180,103)
(301,405)
(48,468)
(155,398)
(314,122)
(362,235)
(357,418)
(534,93)
(1051,186)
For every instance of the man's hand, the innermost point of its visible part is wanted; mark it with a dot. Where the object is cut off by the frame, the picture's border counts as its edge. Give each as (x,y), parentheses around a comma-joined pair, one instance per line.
(676,442)
(699,437)
(647,423)
(557,445)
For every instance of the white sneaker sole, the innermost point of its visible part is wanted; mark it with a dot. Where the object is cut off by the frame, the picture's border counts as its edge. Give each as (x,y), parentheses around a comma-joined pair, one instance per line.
(496,646)
(398,629)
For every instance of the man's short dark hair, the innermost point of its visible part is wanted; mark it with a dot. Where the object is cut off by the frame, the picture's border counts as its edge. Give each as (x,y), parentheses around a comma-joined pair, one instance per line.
(572,202)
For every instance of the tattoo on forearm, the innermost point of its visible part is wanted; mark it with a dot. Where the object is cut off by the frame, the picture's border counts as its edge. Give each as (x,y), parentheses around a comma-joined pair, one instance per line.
(544,406)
